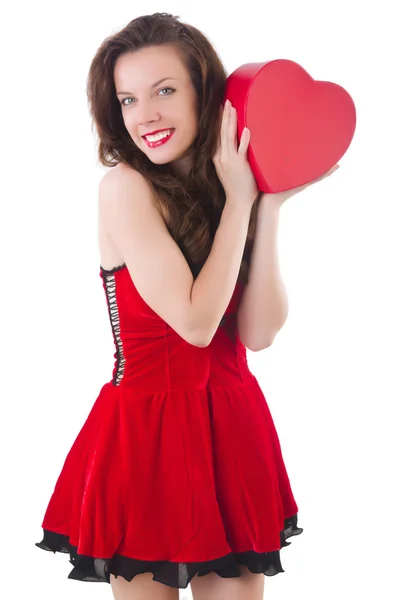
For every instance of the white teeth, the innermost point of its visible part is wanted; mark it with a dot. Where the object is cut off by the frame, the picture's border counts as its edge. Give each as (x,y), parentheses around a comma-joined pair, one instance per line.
(158,136)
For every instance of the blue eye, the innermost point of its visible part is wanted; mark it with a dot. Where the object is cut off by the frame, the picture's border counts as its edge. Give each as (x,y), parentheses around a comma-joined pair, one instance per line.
(129,97)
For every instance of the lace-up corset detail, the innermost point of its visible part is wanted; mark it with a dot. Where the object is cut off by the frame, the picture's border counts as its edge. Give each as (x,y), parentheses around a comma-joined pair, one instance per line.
(109,280)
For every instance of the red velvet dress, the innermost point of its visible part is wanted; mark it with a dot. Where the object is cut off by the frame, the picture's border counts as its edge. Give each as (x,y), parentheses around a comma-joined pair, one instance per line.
(177,469)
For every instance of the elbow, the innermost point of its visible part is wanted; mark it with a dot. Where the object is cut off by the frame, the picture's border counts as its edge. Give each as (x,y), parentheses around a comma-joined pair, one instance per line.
(263,347)
(205,341)
(261,344)
(199,340)
(202,341)
(259,347)
(255,344)
(265,343)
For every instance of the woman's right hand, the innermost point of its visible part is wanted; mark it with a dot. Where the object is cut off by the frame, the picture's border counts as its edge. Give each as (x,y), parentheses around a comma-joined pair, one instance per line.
(231,164)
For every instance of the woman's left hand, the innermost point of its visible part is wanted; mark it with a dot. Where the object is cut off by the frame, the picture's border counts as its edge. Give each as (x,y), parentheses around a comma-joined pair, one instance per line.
(280,197)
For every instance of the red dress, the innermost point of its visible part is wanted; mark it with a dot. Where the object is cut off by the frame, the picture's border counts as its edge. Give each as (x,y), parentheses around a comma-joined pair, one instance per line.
(177,469)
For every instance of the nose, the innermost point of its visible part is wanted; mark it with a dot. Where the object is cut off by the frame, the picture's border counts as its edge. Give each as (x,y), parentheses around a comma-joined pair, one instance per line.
(147,116)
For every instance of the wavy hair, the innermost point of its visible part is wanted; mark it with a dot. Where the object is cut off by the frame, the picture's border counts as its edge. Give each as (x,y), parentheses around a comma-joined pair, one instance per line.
(192,208)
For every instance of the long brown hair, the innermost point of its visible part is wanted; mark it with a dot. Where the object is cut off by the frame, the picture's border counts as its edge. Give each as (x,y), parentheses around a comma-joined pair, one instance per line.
(190,208)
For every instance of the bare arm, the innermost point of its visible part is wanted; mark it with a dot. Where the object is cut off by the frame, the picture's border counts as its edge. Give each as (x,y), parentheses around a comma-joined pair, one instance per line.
(156,264)
(214,286)
(263,308)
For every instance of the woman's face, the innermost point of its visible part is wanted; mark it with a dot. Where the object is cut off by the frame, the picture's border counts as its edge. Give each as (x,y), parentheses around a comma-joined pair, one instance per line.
(149,105)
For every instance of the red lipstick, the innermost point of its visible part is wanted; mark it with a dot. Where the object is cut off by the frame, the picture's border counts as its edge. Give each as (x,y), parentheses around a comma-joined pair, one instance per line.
(159,142)
(157,131)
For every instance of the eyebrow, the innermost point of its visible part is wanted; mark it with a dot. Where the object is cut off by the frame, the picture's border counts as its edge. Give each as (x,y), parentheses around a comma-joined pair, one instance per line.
(154,84)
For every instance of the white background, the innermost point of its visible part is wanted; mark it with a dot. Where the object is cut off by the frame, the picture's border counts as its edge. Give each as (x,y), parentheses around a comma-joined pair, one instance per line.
(329,377)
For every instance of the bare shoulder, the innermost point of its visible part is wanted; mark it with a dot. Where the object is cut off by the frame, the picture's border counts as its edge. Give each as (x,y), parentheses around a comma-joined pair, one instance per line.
(154,260)
(123,183)
(123,174)
(117,186)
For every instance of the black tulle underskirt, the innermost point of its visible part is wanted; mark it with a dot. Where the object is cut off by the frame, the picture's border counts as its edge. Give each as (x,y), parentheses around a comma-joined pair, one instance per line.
(173,574)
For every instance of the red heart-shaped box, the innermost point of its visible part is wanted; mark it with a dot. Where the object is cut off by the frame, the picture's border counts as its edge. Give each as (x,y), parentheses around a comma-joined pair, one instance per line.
(300,127)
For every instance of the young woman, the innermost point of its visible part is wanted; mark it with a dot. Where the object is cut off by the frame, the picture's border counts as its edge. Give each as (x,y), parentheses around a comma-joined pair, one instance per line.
(177,475)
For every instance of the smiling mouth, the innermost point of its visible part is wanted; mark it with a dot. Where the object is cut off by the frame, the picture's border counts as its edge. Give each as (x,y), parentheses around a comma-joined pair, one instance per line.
(159,133)
(160,138)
